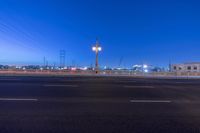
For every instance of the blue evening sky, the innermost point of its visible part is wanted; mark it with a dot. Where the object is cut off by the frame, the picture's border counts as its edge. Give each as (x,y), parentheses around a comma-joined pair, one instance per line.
(139,31)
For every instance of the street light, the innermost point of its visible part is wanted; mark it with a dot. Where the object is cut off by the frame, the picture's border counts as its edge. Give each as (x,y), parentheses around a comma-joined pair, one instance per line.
(96,49)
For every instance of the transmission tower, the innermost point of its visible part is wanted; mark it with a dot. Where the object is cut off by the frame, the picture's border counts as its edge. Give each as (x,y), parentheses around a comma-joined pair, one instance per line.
(44,62)
(62,58)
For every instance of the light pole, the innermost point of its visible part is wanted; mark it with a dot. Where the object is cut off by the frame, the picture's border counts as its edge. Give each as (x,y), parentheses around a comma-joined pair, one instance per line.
(96,49)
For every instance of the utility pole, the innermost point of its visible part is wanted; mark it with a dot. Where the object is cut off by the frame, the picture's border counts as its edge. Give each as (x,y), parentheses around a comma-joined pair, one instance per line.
(96,49)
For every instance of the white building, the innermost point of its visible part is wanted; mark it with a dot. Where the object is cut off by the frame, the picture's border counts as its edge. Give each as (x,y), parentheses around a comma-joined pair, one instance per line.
(186,67)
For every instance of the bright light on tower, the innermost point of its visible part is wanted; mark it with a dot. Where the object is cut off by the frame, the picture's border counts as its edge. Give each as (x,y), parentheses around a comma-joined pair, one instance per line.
(99,48)
(94,48)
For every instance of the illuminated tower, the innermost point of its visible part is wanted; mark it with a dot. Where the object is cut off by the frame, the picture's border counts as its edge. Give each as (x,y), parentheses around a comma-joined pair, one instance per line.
(96,49)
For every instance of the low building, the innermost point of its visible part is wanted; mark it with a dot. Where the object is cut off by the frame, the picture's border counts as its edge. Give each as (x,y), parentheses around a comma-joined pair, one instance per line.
(186,67)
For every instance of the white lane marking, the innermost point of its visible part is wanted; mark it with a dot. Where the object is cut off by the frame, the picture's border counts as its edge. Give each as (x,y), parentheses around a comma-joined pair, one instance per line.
(180,82)
(53,85)
(127,81)
(185,82)
(150,101)
(10,79)
(73,80)
(17,99)
(139,87)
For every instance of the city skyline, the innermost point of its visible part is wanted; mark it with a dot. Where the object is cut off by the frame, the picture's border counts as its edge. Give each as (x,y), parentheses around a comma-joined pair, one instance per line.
(132,32)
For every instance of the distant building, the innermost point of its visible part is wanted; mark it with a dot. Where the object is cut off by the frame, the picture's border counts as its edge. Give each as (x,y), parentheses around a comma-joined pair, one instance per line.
(186,67)
(145,68)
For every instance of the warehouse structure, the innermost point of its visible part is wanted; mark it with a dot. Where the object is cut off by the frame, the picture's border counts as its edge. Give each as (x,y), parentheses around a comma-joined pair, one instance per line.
(186,67)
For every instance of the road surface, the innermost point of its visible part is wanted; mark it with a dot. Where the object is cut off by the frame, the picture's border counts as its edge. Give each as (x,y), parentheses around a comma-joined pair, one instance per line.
(99,105)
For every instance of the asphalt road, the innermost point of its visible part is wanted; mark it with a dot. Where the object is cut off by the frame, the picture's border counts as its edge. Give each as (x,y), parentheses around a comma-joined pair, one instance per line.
(99,105)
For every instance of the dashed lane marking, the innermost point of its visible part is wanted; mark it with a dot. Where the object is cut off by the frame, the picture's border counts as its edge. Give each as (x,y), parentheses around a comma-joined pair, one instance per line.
(150,101)
(17,99)
(54,85)
(139,87)
(10,79)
